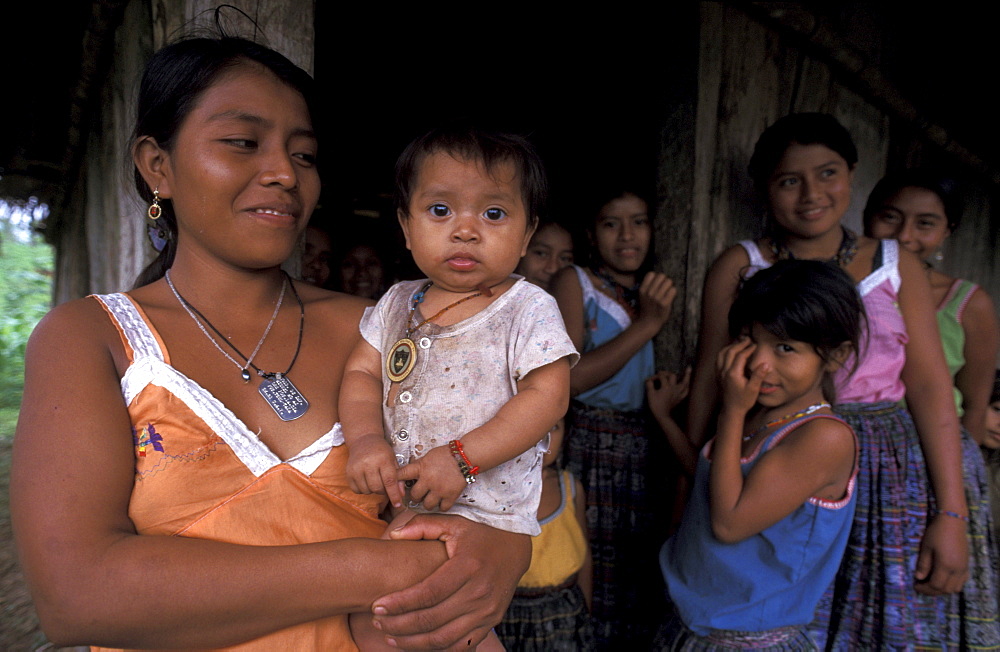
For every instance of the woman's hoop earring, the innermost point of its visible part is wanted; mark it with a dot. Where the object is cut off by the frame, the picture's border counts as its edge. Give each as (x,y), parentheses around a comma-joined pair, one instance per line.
(154,210)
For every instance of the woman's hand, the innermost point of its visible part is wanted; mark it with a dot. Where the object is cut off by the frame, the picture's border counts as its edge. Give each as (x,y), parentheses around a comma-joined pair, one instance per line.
(460,602)
(739,390)
(438,482)
(943,562)
(656,296)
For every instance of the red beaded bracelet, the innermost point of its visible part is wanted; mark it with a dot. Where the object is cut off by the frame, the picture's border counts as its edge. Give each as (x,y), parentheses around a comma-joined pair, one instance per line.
(464,465)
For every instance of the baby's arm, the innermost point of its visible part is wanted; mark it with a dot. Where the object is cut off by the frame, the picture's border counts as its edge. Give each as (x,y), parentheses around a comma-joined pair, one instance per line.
(542,399)
(371,465)
(816,460)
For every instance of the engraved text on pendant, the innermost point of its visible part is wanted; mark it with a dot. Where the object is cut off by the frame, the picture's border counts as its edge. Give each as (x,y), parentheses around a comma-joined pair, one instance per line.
(283,397)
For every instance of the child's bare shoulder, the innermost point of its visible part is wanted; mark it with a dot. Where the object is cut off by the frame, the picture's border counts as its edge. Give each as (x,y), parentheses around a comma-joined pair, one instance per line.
(832,436)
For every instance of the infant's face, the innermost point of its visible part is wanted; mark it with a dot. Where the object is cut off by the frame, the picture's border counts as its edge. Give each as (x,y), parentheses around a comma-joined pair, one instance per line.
(993,425)
(466,227)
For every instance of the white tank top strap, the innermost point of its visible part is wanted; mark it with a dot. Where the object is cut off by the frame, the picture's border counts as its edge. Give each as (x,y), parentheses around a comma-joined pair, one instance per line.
(757,260)
(888,270)
(126,316)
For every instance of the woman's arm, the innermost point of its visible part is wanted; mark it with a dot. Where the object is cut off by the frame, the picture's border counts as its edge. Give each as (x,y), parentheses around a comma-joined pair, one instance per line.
(975,378)
(656,295)
(942,566)
(95,581)
(717,296)
(463,599)
(815,460)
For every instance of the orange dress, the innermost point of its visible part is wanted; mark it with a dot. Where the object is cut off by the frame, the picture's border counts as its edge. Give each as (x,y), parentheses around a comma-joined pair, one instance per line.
(201,473)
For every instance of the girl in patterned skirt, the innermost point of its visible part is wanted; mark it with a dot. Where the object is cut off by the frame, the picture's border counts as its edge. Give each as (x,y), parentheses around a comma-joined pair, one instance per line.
(922,505)
(550,611)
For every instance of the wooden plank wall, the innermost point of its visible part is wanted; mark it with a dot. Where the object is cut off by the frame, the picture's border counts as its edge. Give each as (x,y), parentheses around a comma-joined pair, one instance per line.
(748,76)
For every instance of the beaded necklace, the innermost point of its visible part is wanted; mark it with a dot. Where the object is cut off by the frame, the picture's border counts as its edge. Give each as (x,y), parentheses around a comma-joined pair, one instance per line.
(845,252)
(785,419)
(403,355)
(627,297)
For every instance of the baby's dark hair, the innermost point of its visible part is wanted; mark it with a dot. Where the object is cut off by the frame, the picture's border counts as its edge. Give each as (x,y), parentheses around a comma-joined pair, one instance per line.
(474,144)
(995,396)
(807,301)
(946,189)
(804,129)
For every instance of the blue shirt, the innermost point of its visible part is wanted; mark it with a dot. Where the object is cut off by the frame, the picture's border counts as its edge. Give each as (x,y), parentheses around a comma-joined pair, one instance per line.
(772,579)
(604,320)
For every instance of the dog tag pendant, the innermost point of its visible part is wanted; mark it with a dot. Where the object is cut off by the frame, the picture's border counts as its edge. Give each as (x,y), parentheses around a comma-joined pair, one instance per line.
(283,397)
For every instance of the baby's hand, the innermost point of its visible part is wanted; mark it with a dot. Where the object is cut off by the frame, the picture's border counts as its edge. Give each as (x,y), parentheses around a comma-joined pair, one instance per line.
(739,392)
(439,482)
(666,390)
(371,468)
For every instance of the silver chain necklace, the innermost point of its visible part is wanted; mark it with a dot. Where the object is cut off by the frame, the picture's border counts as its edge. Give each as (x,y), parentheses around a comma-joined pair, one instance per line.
(244,369)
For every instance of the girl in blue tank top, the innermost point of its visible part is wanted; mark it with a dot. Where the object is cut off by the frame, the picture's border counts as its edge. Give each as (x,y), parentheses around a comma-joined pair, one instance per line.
(773,498)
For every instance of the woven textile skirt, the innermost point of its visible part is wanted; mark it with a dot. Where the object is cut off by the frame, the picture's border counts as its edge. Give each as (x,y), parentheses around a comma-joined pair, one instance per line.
(872,603)
(674,636)
(627,489)
(539,620)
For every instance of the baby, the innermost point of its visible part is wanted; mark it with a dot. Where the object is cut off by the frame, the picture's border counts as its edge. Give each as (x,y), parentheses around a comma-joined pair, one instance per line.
(459,376)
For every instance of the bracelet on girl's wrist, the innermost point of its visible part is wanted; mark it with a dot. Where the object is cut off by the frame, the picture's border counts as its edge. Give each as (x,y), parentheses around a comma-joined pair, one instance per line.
(947,512)
(469,471)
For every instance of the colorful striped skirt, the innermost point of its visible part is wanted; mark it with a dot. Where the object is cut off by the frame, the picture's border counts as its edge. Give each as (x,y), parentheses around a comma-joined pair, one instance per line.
(553,618)
(872,603)
(674,636)
(624,473)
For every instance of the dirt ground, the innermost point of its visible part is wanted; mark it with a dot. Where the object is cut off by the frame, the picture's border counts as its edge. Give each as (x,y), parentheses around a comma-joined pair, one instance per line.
(18,624)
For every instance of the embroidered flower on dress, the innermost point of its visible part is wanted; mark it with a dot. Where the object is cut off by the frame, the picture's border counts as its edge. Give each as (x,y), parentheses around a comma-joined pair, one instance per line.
(148,437)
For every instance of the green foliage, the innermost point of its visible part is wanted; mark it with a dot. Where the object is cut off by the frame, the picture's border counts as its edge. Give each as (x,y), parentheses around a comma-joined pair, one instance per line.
(25,296)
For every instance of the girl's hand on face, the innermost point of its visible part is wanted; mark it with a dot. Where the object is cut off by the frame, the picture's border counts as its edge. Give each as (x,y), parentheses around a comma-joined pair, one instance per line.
(371,468)
(439,482)
(656,295)
(665,390)
(739,391)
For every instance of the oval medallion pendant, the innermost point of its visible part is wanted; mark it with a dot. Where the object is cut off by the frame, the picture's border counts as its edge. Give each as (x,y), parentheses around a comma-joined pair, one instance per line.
(402,356)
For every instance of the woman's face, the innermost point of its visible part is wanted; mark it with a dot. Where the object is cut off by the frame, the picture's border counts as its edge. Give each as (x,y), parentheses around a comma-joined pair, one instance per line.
(550,249)
(915,217)
(316,257)
(810,190)
(622,234)
(993,425)
(361,272)
(241,173)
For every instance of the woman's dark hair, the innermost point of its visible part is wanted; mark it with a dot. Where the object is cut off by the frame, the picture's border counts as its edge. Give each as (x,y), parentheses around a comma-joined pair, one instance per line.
(475,144)
(946,189)
(808,301)
(803,129)
(174,79)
